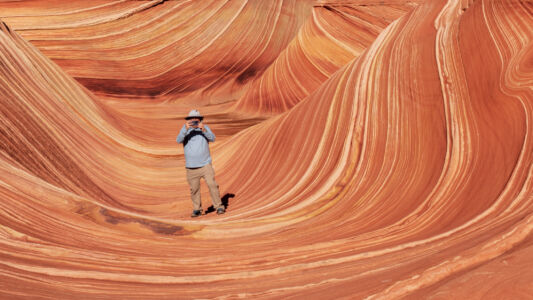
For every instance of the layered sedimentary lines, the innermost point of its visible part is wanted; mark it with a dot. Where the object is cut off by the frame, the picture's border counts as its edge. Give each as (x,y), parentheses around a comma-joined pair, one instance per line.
(368,149)
(155,48)
(335,34)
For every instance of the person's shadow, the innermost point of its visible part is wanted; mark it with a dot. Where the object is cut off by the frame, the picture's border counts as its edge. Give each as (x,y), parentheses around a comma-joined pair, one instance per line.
(225,202)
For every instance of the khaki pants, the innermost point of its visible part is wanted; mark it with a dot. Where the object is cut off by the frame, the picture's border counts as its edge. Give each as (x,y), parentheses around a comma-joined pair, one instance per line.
(208,174)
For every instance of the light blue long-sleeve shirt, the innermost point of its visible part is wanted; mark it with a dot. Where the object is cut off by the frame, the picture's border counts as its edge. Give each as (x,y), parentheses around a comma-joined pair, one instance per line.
(196,151)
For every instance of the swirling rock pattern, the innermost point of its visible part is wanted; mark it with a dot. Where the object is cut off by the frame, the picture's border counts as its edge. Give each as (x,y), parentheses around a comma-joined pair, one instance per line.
(336,33)
(160,48)
(404,171)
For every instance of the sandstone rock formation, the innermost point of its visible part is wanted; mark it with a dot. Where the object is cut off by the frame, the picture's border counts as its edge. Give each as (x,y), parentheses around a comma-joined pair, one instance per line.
(367,149)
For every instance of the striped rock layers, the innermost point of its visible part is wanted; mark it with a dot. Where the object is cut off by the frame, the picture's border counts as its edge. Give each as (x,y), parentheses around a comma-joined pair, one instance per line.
(334,35)
(160,48)
(404,171)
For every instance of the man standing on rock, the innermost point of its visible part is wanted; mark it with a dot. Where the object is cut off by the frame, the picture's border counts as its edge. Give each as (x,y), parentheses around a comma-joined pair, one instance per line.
(195,137)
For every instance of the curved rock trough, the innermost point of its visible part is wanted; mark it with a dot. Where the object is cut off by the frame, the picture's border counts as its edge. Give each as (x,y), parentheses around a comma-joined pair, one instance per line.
(365,149)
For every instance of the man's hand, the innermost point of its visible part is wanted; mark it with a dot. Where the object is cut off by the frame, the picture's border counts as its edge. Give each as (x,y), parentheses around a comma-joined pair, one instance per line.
(194,123)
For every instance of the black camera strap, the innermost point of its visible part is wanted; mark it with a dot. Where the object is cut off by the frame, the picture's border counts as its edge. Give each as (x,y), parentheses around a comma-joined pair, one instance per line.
(191,134)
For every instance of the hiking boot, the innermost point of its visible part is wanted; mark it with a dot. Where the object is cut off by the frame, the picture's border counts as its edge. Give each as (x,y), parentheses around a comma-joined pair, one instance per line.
(220,210)
(196,213)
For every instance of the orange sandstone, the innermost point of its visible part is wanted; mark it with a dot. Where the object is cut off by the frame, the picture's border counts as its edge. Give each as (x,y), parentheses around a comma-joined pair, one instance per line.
(401,169)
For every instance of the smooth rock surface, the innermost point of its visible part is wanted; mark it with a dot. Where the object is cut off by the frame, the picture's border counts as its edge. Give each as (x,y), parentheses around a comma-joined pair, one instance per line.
(366,149)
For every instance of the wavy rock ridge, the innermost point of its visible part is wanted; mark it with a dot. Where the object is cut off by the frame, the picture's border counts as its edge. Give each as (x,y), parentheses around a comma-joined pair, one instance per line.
(158,48)
(334,35)
(395,163)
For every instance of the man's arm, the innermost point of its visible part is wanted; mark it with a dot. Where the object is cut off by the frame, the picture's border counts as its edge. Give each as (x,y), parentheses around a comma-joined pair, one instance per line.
(182,134)
(208,133)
